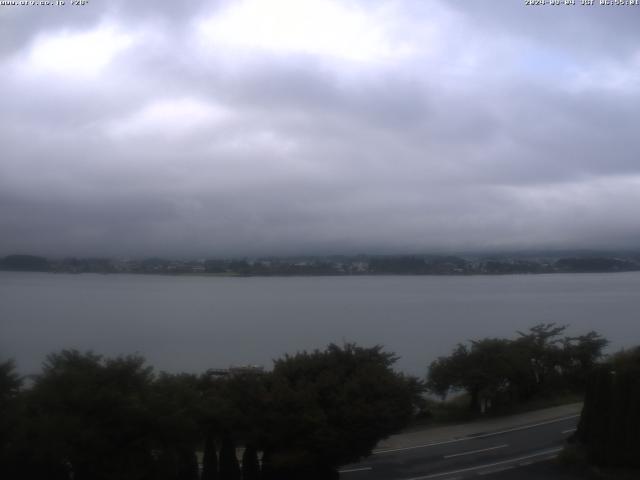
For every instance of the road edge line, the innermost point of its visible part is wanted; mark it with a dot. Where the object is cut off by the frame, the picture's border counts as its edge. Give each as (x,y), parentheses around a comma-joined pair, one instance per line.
(473,436)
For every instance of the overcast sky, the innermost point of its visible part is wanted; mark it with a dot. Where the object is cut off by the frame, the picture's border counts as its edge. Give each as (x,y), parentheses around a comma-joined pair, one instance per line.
(253,127)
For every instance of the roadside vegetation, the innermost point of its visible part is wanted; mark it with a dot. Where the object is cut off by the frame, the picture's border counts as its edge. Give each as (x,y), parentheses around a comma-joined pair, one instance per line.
(454,410)
(89,417)
(541,367)
(606,444)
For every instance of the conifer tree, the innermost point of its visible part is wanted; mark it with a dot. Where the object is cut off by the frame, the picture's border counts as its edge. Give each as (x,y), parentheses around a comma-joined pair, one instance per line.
(250,464)
(609,423)
(188,465)
(229,466)
(210,459)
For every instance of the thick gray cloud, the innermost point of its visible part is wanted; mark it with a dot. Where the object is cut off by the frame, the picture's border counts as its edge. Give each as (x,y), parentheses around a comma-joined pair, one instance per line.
(281,126)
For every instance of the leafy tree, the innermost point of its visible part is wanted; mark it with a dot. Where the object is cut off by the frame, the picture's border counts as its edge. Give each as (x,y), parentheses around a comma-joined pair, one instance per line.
(328,408)
(498,371)
(445,373)
(484,371)
(233,404)
(489,372)
(237,405)
(542,345)
(90,417)
(10,384)
(88,414)
(581,355)
(174,402)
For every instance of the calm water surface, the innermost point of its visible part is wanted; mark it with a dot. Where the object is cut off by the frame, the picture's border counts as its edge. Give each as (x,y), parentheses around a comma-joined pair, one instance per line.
(194,323)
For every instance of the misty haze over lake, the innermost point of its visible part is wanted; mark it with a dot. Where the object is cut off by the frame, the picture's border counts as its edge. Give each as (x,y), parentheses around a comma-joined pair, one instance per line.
(195,323)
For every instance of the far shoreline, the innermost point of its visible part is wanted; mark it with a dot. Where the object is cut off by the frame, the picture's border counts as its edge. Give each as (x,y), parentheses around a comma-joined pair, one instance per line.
(334,275)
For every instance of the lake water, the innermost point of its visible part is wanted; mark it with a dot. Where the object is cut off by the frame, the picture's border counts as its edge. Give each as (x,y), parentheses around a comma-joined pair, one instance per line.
(195,323)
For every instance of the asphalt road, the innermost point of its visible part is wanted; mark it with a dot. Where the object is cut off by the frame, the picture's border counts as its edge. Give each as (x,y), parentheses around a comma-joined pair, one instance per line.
(485,455)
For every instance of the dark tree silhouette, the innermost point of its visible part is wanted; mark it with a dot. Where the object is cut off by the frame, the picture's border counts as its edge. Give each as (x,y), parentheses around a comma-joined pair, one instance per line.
(610,421)
(90,414)
(495,371)
(96,418)
(10,384)
(229,466)
(328,408)
(188,467)
(210,459)
(250,463)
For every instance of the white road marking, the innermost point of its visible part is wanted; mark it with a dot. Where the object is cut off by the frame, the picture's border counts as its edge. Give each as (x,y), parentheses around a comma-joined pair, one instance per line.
(351,470)
(433,444)
(475,451)
(568,431)
(464,439)
(525,427)
(488,465)
(497,470)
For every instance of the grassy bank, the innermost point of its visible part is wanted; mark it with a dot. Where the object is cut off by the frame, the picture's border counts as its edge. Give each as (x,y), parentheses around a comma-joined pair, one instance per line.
(456,409)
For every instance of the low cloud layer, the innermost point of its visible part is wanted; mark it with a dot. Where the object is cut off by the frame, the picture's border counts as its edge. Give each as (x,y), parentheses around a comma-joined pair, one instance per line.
(252,127)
